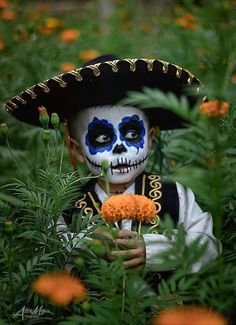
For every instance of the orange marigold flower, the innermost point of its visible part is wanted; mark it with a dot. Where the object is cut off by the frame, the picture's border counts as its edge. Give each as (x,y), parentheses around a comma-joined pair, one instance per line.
(189,316)
(69,35)
(88,55)
(188,21)
(128,206)
(145,209)
(60,288)
(53,23)
(118,207)
(214,108)
(42,7)
(233,78)
(42,110)
(65,67)
(2,46)
(4,4)
(9,15)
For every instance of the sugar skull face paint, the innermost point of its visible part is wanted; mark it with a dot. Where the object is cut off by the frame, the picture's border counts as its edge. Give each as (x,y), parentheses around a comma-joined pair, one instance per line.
(117,134)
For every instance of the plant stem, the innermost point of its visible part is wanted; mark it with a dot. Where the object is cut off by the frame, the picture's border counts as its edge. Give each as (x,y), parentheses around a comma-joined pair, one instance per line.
(123,293)
(13,157)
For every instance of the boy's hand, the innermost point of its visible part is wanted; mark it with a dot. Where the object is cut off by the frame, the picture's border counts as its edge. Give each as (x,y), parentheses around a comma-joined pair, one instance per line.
(132,249)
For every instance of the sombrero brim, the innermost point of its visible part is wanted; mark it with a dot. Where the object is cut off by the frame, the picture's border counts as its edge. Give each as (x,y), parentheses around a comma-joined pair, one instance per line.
(103,83)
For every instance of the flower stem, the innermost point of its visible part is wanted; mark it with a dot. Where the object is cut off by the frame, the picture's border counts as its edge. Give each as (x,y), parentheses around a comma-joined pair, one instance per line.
(123,293)
(139,228)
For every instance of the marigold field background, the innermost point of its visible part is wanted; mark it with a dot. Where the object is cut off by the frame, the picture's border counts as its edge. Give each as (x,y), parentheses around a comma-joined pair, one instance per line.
(41,39)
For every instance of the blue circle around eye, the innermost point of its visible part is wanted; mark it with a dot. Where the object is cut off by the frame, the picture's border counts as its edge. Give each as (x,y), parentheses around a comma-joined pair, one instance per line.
(126,120)
(97,122)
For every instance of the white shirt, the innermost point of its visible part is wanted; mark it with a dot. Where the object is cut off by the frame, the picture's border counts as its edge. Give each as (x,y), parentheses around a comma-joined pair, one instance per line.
(197,224)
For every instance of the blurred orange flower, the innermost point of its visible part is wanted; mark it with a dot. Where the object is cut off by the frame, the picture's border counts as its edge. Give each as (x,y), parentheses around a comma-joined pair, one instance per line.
(214,108)
(4,4)
(145,27)
(42,7)
(60,288)
(70,35)
(2,46)
(128,206)
(8,15)
(188,21)
(53,23)
(88,55)
(233,78)
(65,67)
(189,316)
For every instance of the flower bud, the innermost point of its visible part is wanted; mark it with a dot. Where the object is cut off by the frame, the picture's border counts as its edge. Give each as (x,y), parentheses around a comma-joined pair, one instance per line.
(79,261)
(8,226)
(46,136)
(3,129)
(55,120)
(62,129)
(43,117)
(105,165)
(98,248)
(85,305)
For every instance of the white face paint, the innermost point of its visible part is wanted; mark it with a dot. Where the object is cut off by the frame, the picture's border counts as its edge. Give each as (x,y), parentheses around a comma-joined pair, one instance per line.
(117,134)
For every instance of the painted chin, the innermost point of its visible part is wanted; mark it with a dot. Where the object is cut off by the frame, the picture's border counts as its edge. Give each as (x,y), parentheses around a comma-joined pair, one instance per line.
(121,166)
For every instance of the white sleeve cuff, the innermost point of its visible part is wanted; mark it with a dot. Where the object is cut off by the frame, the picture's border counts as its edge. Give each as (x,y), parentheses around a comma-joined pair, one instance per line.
(156,245)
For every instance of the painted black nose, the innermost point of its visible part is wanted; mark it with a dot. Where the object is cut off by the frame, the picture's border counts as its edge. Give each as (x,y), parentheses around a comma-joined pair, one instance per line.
(119,148)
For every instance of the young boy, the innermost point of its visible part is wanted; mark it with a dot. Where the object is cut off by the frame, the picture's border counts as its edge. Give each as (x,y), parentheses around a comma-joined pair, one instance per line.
(101,129)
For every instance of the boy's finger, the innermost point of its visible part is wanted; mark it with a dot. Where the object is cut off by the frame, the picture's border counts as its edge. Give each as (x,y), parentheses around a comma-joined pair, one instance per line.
(129,243)
(134,263)
(127,234)
(129,254)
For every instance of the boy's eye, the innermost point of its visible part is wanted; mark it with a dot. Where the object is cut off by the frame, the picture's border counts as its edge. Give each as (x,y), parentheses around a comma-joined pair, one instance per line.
(131,135)
(103,139)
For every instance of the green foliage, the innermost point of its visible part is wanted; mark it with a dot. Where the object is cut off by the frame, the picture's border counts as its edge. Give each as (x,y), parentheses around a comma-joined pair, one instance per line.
(37,183)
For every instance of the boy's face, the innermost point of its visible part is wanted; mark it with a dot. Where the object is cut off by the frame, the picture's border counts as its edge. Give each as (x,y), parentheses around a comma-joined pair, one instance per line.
(119,135)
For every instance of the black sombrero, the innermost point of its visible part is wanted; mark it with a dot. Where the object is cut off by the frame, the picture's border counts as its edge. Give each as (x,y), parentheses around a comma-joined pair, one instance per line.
(103,81)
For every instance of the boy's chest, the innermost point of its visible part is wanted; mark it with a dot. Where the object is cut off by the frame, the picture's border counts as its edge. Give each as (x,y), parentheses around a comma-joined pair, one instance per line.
(164,195)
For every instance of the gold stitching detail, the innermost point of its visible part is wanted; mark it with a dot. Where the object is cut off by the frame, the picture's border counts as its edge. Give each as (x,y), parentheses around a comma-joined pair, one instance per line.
(143,184)
(82,204)
(155,224)
(155,193)
(132,64)
(190,78)
(88,210)
(178,71)
(94,203)
(165,66)
(61,82)
(95,68)
(113,65)
(8,108)
(20,99)
(31,93)
(43,85)
(12,104)
(149,63)
(76,74)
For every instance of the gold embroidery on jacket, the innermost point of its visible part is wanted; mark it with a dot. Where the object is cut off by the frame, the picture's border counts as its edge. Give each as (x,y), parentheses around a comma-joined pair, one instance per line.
(94,202)
(155,194)
(82,204)
(143,184)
